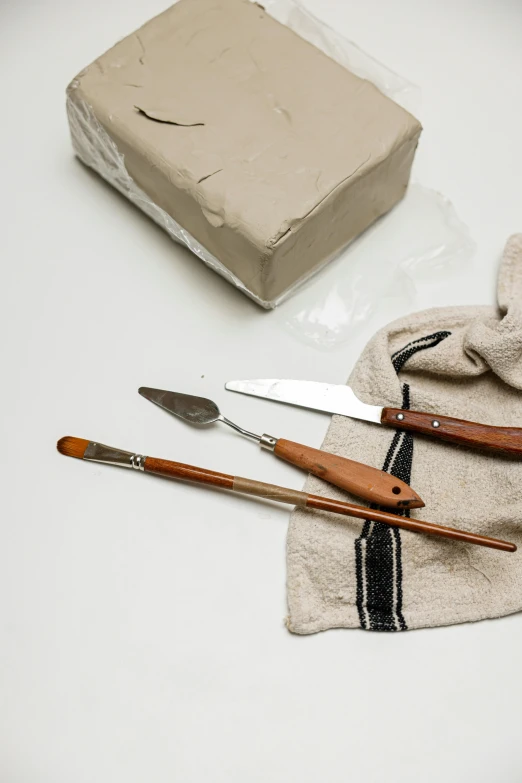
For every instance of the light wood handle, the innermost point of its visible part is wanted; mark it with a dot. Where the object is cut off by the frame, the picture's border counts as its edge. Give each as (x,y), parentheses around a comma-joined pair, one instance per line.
(459,431)
(366,482)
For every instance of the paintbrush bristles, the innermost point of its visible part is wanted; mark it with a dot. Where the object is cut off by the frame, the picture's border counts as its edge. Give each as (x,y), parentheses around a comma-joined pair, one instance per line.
(72,447)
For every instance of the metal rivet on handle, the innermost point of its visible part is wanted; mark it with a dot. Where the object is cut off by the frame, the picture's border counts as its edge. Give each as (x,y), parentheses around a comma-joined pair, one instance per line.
(435,423)
(400,416)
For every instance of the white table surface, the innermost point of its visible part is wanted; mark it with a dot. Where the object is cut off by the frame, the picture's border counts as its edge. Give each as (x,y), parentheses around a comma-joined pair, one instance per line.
(142,631)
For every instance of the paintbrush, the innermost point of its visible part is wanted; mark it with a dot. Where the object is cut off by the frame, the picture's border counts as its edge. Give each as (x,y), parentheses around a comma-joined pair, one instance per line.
(93,451)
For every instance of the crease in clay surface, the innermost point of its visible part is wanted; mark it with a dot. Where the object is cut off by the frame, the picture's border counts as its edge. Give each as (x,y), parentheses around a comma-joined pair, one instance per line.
(280,236)
(164,116)
(219,55)
(142,55)
(207,176)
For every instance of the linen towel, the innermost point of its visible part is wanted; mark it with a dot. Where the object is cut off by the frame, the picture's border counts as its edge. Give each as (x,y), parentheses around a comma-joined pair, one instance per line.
(464,362)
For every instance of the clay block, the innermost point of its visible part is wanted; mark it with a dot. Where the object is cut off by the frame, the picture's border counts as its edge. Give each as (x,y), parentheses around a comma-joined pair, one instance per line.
(267,155)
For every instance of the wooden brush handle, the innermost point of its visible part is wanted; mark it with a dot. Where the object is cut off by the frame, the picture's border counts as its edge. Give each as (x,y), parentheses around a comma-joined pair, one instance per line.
(366,482)
(417,525)
(459,431)
(179,470)
(164,467)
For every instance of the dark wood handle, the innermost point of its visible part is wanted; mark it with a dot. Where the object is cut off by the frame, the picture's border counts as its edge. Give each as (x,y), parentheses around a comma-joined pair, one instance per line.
(366,482)
(416,525)
(168,469)
(464,433)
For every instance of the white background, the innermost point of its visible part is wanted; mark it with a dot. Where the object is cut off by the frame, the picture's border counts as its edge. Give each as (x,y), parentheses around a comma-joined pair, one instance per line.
(142,631)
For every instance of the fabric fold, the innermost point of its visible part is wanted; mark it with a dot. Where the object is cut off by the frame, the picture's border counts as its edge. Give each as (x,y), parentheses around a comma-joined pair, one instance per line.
(459,361)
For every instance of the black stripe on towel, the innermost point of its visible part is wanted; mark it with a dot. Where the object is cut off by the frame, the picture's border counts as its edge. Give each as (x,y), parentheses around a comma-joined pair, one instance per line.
(378,553)
(399,358)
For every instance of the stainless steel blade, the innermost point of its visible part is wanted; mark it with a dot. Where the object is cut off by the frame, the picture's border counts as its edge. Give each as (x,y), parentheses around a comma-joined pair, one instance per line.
(327,397)
(195,410)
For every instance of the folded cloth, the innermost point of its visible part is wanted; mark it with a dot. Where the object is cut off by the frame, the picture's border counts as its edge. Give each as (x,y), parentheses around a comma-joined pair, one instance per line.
(464,362)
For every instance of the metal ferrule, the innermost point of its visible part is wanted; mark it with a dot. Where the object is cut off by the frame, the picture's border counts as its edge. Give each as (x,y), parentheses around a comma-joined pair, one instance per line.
(98,452)
(267,442)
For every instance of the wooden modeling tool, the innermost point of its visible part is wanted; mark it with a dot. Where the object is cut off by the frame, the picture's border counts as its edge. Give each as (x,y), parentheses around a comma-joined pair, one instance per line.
(369,483)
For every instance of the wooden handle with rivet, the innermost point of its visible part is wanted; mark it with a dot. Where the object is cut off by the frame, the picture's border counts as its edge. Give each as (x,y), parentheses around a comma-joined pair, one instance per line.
(458,431)
(358,479)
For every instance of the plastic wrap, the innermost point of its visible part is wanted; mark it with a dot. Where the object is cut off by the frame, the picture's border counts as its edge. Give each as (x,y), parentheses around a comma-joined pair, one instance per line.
(97,150)
(418,242)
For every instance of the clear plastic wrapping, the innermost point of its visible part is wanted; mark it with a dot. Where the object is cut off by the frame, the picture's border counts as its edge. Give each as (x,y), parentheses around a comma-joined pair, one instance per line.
(418,243)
